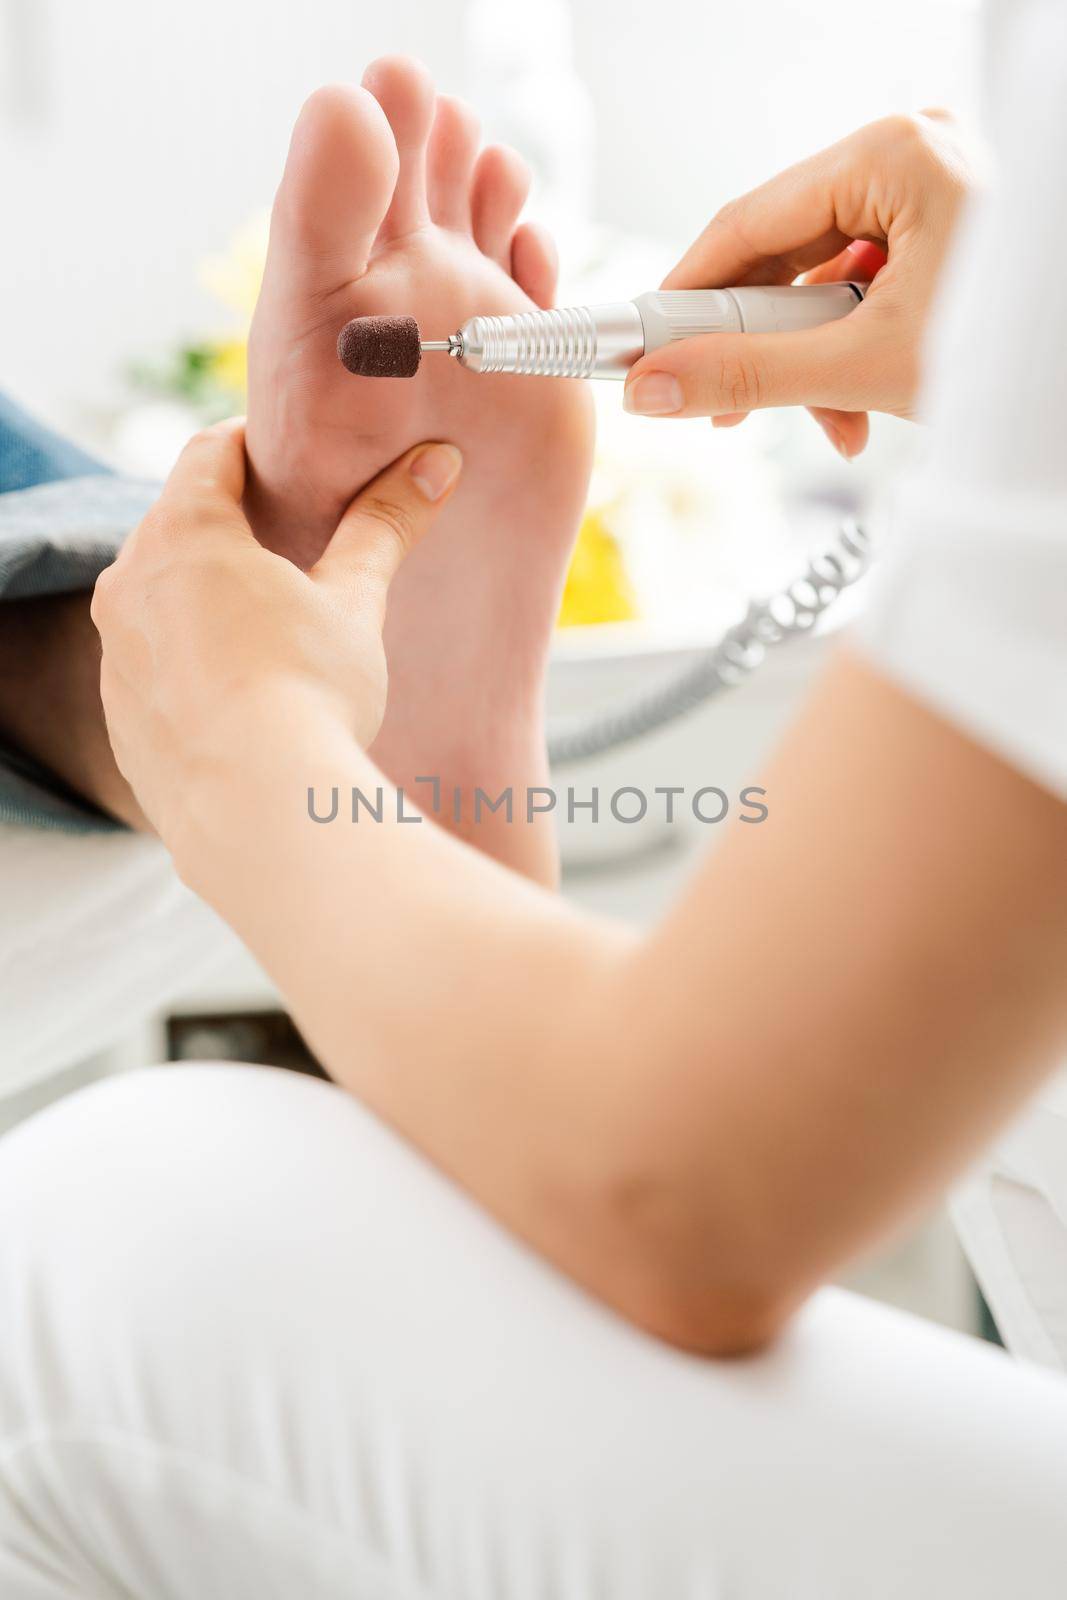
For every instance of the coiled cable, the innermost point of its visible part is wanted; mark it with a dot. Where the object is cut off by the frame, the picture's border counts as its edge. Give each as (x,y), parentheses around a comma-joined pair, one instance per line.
(794,610)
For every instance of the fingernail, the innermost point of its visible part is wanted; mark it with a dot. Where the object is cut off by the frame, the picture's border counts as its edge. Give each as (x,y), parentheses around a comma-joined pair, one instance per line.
(656,395)
(435,469)
(835,439)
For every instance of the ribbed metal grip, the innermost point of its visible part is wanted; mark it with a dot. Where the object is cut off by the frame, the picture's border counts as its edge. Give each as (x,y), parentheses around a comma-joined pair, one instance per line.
(604,341)
(549,344)
(686,313)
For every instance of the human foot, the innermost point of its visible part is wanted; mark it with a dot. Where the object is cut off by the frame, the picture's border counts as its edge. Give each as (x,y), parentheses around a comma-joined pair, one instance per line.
(386,207)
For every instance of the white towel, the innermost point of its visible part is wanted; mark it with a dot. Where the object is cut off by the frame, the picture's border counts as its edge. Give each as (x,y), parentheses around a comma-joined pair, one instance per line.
(96,934)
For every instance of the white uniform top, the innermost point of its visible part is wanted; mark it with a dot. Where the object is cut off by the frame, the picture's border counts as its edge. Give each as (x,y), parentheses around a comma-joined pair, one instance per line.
(970,609)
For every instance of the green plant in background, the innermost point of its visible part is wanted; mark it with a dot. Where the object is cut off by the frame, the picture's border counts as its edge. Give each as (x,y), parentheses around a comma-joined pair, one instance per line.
(209,376)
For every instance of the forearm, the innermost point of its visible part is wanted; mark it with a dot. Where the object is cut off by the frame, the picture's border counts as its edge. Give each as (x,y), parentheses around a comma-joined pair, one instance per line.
(702,1123)
(851,998)
(50,698)
(458,1000)
(409,955)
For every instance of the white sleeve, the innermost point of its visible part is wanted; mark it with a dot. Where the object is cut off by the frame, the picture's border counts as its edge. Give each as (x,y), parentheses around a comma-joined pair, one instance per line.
(970,612)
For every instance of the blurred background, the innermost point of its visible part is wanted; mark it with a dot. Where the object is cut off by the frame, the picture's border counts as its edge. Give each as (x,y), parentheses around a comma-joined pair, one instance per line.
(135,139)
(139,149)
(140,146)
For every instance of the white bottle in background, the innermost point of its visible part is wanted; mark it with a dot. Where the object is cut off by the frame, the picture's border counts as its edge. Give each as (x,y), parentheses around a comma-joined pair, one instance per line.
(523,79)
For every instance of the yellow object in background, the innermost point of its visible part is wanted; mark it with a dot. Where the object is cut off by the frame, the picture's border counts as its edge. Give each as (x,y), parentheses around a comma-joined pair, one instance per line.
(597,588)
(228,365)
(235,276)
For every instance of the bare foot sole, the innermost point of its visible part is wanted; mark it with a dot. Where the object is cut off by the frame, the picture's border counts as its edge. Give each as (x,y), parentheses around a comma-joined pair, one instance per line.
(386,206)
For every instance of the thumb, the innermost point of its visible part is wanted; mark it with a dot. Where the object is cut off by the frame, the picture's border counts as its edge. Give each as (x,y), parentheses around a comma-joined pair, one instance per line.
(390,515)
(720,374)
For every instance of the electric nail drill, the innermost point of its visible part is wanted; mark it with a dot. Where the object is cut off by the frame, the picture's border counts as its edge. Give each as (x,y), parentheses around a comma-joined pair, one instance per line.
(593,341)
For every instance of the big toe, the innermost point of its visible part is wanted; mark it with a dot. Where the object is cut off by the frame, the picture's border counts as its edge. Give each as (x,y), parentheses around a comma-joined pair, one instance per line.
(404,89)
(338,184)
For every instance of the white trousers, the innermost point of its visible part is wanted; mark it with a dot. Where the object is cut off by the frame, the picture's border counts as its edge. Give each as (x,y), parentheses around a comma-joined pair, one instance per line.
(253,1348)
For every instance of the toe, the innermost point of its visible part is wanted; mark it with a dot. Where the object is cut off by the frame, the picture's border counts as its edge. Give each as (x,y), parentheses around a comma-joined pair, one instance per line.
(535,263)
(405,92)
(450,163)
(498,192)
(336,188)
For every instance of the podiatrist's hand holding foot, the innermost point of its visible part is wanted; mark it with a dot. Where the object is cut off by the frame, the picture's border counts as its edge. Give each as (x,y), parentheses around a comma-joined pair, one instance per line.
(202,627)
(889,193)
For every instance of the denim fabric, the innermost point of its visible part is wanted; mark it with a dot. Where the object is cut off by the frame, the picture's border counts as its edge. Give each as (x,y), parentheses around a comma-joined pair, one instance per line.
(31,454)
(63,515)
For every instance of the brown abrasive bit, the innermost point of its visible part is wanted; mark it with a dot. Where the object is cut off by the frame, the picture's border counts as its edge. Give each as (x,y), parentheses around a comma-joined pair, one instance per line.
(380,347)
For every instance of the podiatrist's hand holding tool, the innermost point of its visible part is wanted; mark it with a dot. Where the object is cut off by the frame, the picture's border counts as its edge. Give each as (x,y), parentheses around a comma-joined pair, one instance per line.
(730,331)
(891,191)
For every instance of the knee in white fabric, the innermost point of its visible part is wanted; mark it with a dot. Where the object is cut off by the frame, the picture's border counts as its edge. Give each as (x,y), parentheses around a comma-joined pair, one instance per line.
(253,1345)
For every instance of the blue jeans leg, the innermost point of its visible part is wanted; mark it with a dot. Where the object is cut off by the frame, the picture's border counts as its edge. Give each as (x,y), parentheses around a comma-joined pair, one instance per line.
(31,454)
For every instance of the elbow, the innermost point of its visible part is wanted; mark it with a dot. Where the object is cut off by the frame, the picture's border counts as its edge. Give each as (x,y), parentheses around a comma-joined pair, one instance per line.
(693,1249)
(684,1278)
(717,1323)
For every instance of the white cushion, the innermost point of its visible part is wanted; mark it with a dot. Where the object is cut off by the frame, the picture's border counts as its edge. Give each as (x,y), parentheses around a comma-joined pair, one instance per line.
(1011,1214)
